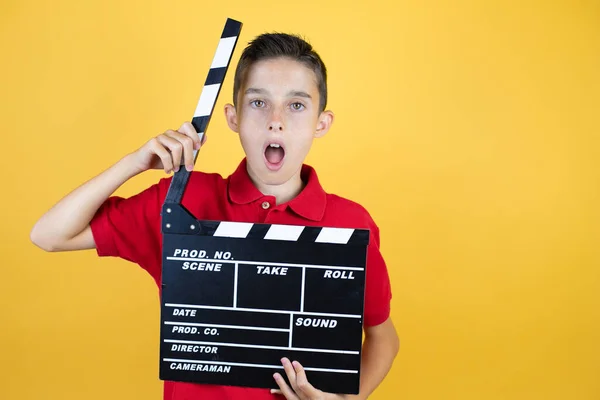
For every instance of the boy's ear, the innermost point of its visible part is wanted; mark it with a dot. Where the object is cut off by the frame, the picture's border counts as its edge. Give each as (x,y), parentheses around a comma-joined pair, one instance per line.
(231,117)
(325,121)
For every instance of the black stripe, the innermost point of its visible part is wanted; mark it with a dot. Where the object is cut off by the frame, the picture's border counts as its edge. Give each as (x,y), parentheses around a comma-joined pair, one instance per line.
(359,237)
(309,234)
(232,28)
(258,231)
(200,123)
(215,75)
(208,228)
(177,187)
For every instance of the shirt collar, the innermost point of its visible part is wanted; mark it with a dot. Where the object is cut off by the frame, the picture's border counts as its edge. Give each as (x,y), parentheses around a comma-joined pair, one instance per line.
(310,203)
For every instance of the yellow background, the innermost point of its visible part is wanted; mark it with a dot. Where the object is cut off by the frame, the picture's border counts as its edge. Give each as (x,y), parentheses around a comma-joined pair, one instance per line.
(470,130)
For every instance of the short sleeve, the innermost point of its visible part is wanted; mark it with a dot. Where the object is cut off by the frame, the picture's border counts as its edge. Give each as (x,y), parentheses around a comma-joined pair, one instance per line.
(378,292)
(129,228)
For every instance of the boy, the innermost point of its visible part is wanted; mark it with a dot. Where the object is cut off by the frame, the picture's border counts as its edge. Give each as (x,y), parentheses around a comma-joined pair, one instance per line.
(280,94)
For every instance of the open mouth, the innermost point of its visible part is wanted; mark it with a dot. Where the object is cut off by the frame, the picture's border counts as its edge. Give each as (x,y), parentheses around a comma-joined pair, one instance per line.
(274,155)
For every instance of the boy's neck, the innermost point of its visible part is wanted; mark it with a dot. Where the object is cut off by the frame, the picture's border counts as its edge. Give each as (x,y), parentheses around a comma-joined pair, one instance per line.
(282,193)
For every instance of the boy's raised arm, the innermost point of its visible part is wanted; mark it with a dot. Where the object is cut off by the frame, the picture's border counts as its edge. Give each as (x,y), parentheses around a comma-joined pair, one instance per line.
(66,226)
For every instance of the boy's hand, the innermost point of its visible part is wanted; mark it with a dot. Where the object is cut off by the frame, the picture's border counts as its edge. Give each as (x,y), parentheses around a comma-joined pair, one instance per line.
(168,150)
(301,388)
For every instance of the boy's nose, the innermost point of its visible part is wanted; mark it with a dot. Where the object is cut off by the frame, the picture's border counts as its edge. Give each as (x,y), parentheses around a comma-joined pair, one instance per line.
(276,121)
(275,126)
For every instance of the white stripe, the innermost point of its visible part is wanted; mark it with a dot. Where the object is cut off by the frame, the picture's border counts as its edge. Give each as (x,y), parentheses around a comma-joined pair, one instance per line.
(264,263)
(233,229)
(284,232)
(347,371)
(260,346)
(268,311)
(249,328)
(200,136)
(223,53)
(302,290)
(235,285)
(334,235)
(208,97)
(291,330)
(341,371)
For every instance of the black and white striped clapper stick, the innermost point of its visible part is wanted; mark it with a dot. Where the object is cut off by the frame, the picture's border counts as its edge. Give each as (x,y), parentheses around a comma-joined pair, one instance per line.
(216,76)
(208,98)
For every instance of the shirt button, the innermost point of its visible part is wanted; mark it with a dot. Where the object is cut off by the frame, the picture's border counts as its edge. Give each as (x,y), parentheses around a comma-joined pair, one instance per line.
(265,205)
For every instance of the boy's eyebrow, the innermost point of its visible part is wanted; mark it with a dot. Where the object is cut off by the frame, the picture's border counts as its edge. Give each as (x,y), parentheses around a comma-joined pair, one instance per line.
(296,93)
(293,93)
(255,91)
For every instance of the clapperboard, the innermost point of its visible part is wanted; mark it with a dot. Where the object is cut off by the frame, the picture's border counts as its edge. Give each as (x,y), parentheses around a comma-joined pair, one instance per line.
(237,297)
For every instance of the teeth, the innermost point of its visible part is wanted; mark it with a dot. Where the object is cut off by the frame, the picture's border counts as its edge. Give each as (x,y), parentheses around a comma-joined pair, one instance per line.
(274,145)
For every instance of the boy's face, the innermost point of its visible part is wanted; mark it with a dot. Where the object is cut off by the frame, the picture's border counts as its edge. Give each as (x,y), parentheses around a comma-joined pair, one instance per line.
(277,118)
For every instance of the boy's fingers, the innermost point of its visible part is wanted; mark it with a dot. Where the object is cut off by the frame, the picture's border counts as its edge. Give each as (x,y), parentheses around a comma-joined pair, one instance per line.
(175,147)
(284,388)
(302,383)
(165,157)
(188,129)
(188,153)
(187,145)
(289,371)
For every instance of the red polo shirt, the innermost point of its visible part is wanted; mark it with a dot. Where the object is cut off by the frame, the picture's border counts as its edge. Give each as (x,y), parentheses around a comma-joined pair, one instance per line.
(130,229)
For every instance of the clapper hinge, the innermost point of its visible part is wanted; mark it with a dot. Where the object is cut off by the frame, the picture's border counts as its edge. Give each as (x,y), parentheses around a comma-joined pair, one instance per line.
(177,220)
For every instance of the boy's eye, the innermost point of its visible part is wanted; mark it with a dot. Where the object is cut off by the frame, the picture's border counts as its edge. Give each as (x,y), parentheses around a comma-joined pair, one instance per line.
(257,103)
(297,106)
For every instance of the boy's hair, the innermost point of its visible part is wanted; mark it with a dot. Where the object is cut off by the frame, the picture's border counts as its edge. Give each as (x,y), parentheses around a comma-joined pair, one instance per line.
(273,45)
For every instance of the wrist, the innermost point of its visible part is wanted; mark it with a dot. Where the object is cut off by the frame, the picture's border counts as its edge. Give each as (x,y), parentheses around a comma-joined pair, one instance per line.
(128,166)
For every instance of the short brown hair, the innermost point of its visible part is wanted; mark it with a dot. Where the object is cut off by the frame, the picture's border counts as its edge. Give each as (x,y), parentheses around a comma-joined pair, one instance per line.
(273,45)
